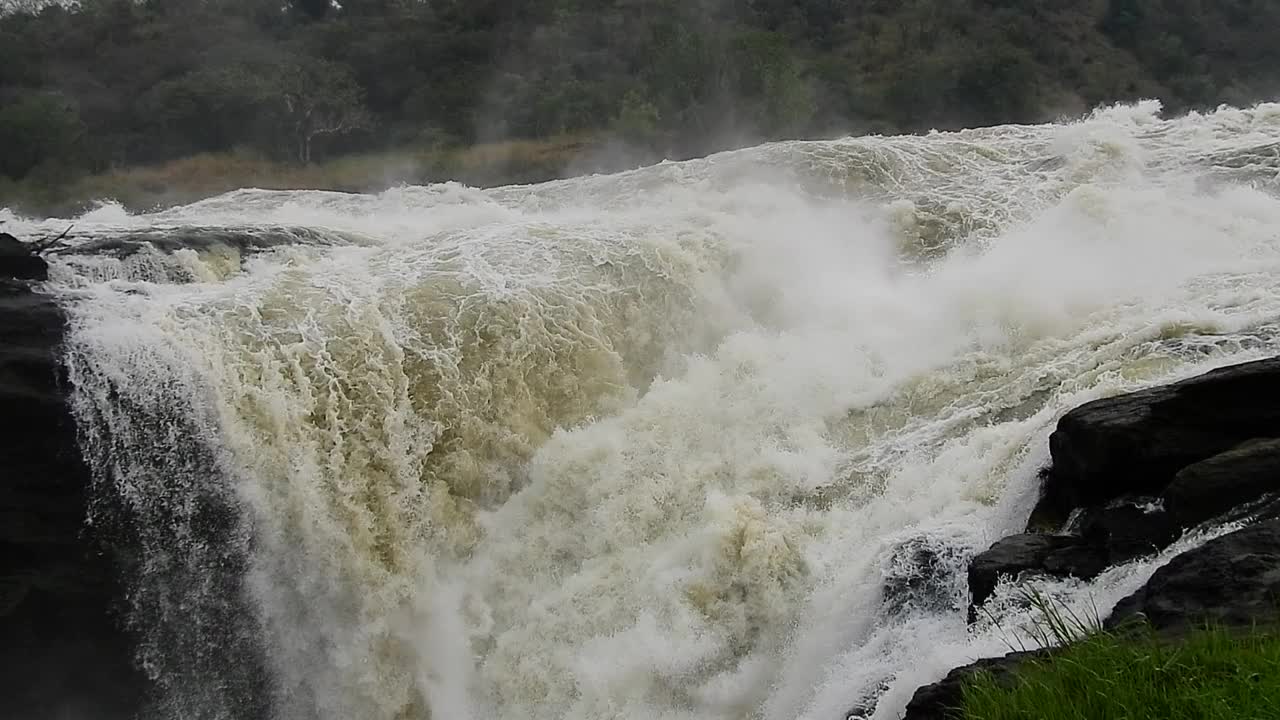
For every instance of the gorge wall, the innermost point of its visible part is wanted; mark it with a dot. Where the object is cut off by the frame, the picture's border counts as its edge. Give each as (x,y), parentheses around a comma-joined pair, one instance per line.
(63,650)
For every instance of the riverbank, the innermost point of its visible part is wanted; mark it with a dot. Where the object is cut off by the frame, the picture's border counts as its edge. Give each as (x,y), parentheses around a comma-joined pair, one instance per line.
(198,177)
(1212,673)
(1130,475)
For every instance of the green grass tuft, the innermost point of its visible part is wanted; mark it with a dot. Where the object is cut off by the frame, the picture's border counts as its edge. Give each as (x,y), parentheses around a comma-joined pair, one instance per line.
(1209,674)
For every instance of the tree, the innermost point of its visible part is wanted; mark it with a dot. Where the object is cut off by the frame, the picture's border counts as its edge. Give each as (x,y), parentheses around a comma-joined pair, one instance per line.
(1122,21)
(995,79)
(318,98)
(210,108)
(37,128)
(29,7)
(313,9)
(770,82)
(637,119)
(154,80)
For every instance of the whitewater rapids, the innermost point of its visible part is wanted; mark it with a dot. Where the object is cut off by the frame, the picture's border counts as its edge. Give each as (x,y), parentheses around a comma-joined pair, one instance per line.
(662,444)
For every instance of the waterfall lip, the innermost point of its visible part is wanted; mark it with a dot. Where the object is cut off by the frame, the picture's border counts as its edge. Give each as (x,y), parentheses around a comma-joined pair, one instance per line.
(122,242)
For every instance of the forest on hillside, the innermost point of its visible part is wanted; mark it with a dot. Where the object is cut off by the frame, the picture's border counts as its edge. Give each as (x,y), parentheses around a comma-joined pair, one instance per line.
(104,84)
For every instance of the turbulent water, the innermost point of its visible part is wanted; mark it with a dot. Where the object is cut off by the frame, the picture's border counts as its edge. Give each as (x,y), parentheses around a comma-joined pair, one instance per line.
(710,439)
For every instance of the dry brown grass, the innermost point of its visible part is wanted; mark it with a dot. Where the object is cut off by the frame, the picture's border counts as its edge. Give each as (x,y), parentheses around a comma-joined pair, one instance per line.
(201,176)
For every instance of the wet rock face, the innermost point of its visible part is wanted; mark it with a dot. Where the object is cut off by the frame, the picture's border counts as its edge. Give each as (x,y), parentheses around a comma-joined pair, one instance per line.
(1135,471)
(1136,443)
(1018,554)
(1129,475)
(1215,486)
(1231,580)
(17,262)
(1118,532)
(62,652)
(1128,528)
(942,700)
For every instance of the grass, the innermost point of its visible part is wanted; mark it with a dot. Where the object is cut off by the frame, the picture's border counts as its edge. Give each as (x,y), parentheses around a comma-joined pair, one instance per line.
(201,176)
(1212,673)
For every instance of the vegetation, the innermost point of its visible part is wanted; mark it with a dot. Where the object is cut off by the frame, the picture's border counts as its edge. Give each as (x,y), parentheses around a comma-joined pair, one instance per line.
(1210,674)
(95,86)
(1130,673)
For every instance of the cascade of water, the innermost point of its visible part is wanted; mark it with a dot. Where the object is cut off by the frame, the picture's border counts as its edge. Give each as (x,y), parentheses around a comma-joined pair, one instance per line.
(709,439)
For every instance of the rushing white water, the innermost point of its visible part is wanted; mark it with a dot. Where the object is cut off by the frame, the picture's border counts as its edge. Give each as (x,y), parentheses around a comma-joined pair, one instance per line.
(648,445)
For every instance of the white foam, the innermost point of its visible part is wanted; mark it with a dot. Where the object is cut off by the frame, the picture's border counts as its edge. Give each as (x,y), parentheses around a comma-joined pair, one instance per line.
(641,445)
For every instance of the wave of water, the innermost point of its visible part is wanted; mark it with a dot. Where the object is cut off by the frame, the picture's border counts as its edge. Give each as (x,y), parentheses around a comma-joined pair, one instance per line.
(710,439)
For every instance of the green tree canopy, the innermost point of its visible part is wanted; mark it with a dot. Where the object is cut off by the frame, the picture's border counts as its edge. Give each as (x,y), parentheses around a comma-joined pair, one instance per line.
(35,128)
(154,80)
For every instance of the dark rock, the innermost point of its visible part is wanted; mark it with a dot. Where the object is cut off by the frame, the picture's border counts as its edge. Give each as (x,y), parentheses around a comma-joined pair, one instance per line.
(1013,556)
(1232,580)
(1211,487)
(942,700)
(1109,535)
(1128,528)
(1129,474)
(17,262)
(1136,443)
(62,652)
(1082,561)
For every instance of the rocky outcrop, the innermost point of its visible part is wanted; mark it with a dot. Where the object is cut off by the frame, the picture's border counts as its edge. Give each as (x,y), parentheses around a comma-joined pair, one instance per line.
(62,652)
(1134,444)
(942,700)
(1212,487)
(1230,580)
(1127,528)
(17,262)
(1099,537)
(1028,553)
(1129,475)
